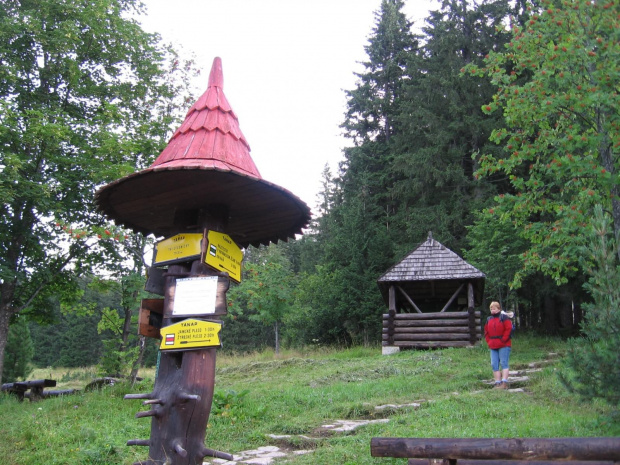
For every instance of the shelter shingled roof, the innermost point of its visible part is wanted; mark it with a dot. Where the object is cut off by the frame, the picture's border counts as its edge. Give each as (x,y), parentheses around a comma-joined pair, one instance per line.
(431,261)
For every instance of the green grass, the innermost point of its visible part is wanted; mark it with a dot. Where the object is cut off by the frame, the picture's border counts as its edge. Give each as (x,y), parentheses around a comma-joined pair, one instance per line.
(299,391)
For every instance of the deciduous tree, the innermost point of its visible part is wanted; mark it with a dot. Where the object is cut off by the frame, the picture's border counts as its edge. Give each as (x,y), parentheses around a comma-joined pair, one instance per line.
(558,92)
(80,104)
(266,292)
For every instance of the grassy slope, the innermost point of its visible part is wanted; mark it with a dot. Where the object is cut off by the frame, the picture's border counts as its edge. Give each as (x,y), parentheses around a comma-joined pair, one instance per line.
(297,393)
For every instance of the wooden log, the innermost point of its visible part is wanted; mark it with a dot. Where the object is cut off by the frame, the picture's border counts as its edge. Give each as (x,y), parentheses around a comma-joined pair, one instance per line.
(601,448)
(428,345)
(431,329)
(392,299)
(391,314)
(432,315)
(431,337)
(473,328)
(535,462)
(417,325)
(509,462)
(452,322)
(16,389)
(425,323)
(428,329)
(16,386)
(40,383)
(399,337)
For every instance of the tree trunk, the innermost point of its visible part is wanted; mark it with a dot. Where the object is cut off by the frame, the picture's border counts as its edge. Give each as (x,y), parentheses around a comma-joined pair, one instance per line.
(136,364)
(126,329)
(7,291)
(608,161)
(5,317)
(277,331)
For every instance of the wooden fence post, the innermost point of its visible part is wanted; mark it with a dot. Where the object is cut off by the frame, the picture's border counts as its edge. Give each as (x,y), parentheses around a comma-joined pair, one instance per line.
(473,330)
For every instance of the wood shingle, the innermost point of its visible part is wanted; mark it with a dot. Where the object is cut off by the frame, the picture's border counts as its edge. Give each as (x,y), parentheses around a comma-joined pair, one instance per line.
(431,261)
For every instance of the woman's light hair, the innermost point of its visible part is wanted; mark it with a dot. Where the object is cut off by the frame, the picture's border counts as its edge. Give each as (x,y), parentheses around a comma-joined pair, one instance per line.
(495,304)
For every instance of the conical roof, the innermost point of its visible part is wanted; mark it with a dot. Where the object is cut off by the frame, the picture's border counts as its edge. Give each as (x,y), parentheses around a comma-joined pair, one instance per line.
(207,162)
(210,136)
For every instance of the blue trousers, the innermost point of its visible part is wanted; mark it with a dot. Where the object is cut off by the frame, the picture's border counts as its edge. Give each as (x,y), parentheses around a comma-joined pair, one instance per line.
(500,356)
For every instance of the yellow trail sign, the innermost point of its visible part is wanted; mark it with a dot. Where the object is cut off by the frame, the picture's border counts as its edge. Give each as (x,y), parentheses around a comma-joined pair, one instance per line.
(224,255)
(182,247)
(190,334)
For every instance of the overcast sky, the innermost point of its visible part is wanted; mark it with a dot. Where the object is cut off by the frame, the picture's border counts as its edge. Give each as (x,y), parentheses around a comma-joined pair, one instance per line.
(286,65)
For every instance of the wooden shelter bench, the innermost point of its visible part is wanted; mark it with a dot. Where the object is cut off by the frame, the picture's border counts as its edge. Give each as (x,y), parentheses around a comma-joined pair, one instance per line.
(497,451)
(36,387)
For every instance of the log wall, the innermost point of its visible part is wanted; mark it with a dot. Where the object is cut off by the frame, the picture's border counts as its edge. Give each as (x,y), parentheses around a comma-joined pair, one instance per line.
(431,330)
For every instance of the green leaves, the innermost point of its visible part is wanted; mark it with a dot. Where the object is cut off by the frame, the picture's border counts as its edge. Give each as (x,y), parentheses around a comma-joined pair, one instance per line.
(86,97)
(266,288)
(561,116)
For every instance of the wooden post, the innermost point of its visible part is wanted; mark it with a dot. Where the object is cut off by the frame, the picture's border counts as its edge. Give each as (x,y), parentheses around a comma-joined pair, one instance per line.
(391,315)
(473,330)
(605,448)
(183,392)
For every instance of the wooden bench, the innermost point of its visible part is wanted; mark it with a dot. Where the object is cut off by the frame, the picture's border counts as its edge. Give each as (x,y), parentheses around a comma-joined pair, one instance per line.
(36,387)
(497,451)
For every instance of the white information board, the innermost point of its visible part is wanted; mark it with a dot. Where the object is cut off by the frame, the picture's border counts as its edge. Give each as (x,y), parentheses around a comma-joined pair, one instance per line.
(195,296)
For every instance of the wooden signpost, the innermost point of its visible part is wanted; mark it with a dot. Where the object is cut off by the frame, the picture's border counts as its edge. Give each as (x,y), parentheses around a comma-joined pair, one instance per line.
(201,192)
(180,404)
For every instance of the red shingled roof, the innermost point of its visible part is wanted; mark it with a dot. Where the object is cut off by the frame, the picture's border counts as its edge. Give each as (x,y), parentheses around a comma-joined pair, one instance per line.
(206,164)
(210,136)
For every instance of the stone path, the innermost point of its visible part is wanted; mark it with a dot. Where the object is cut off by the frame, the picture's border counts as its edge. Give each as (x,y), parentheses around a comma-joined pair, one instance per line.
(268,455)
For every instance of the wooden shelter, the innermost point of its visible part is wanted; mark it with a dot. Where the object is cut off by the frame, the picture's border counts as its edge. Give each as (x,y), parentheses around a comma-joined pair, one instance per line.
(431,295)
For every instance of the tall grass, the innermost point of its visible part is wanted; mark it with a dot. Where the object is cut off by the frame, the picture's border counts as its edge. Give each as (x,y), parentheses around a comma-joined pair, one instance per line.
(299,391)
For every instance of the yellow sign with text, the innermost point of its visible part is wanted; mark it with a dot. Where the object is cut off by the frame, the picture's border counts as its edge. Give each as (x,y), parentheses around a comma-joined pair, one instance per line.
(190,334)
(224,255)
(182,247)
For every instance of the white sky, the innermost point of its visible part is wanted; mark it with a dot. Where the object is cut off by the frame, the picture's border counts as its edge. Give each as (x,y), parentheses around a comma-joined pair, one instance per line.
(286,65)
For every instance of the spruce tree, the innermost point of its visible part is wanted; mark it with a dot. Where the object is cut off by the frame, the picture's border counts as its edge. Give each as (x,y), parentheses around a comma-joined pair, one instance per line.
(443,125)
(19,352)
(592,363)
(360,245)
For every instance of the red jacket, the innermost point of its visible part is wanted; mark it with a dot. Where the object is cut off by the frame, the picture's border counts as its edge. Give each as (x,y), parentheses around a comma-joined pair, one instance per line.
(497,332)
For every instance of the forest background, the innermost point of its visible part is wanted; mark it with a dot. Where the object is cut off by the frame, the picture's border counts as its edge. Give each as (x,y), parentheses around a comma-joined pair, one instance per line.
(496,128)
